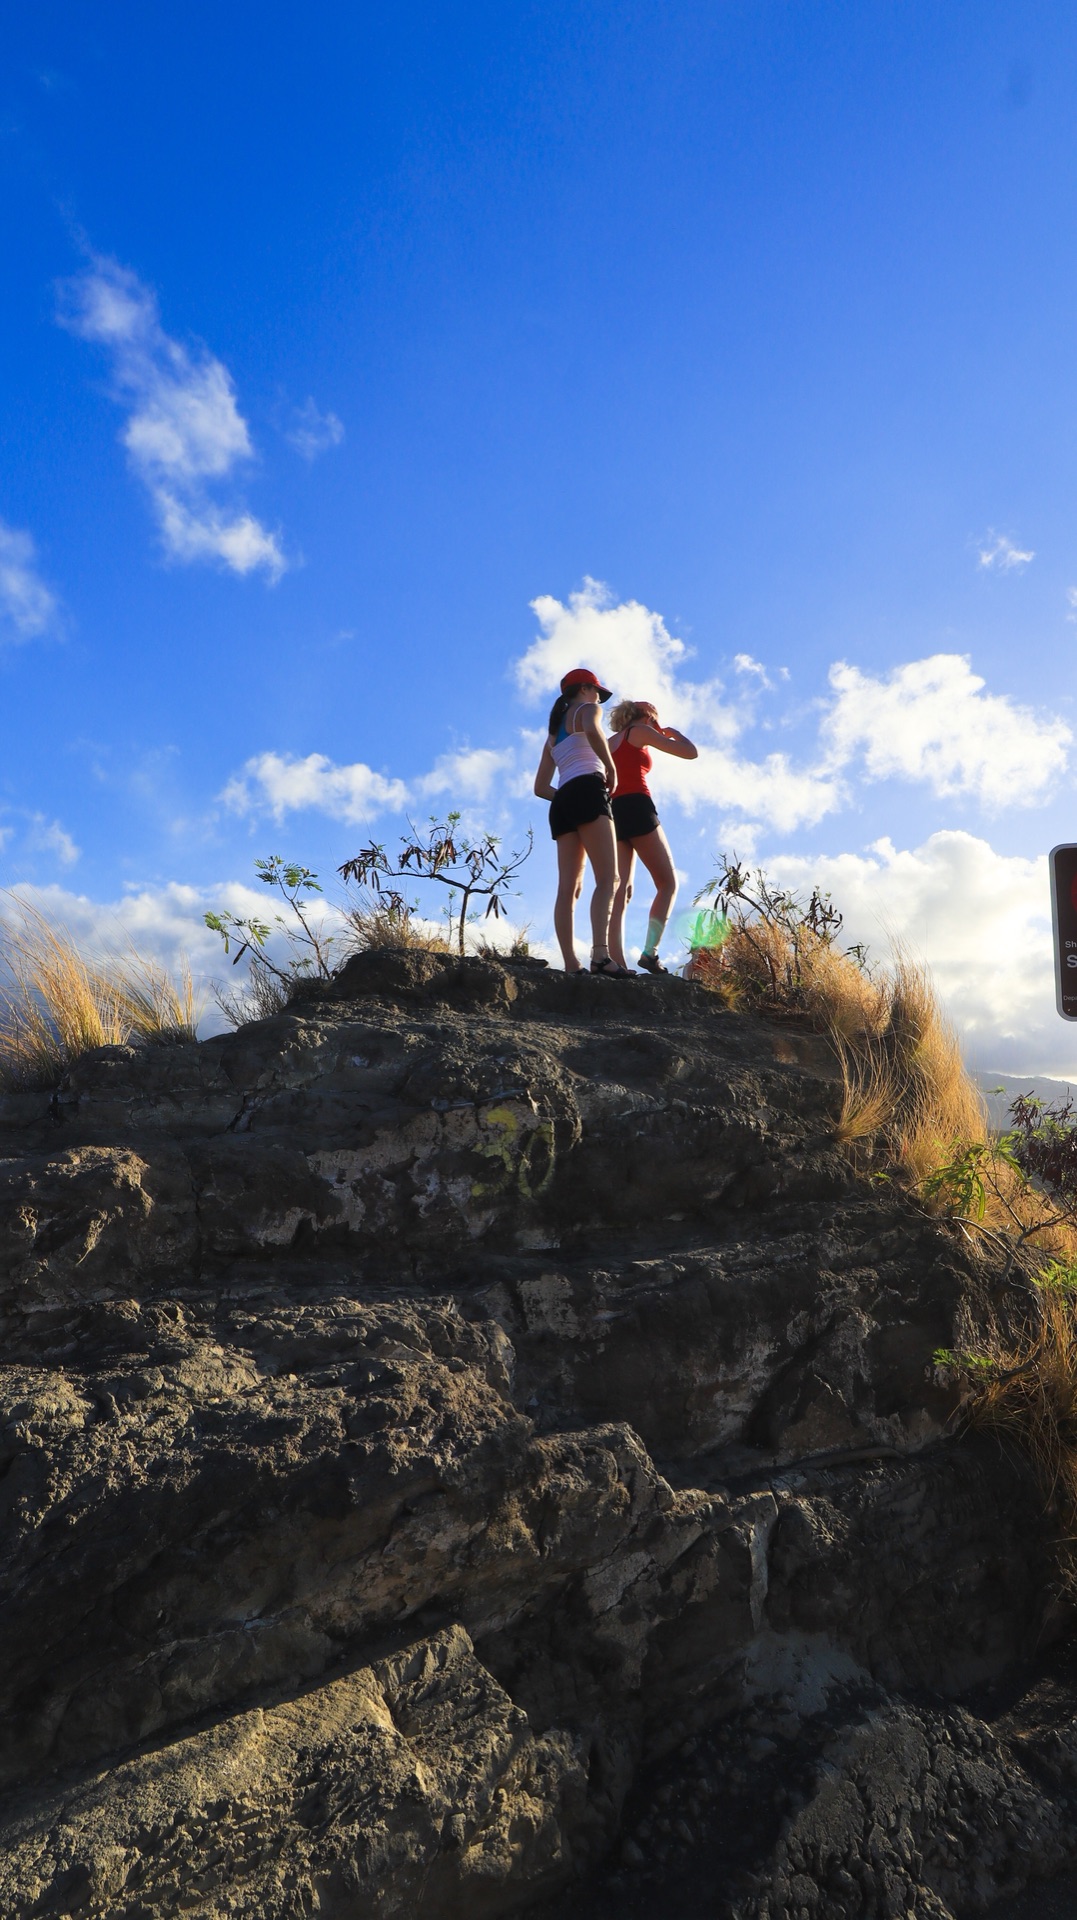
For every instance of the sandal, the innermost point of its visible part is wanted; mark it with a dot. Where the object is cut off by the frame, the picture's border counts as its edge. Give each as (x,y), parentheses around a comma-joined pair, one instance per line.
(651,963)
(611,970)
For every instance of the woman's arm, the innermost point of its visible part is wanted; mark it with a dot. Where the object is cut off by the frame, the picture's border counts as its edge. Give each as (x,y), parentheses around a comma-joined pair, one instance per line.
(593,729)
(547,767)
(666,739)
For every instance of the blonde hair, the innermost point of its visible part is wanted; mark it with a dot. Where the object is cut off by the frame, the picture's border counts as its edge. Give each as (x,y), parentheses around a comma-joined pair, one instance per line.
(627,712)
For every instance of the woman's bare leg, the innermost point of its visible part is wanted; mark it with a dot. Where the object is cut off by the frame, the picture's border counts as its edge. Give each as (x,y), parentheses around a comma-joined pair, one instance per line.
(626,861)
(600,845)
(654,851)
(569,884)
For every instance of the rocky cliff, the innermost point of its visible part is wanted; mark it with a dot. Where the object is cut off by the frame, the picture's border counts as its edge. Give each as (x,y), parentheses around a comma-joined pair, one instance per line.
(470,1444)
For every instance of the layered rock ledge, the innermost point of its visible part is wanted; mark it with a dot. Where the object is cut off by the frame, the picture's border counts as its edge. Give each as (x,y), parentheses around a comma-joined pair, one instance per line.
(440,1421)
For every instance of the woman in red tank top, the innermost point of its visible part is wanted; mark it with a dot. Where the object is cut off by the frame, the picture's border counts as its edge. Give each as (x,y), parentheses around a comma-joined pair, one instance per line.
(636,734)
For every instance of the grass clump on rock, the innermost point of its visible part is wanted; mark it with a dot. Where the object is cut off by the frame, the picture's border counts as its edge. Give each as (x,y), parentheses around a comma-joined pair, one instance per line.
(909,1112)
(57,1001)
(907,1100)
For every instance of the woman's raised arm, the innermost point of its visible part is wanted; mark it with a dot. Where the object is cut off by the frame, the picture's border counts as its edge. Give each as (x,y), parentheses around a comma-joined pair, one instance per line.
(666,739)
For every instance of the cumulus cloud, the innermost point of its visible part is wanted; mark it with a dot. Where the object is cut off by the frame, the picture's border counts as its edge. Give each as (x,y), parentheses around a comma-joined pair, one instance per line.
(474,773)
(999,555)
(632,649)
(30,833)
(772,790)
(747,667)
(48,836)
(313,432)
(627,645)
(931,720)
(28,608)
(279,783)
(982,922)
(183,430)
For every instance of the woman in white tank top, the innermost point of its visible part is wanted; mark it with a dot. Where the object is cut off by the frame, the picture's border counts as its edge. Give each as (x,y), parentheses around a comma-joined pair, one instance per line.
(581,819)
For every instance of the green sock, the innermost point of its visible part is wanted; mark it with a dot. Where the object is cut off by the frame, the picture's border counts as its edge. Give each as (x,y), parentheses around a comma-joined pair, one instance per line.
(654,935)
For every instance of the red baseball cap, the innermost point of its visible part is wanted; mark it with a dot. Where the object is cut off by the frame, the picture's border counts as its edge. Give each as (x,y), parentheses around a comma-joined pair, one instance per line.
(583,677)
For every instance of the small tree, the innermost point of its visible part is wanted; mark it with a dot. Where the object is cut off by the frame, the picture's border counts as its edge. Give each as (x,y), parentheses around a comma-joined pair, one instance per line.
(470,869)
(308,948)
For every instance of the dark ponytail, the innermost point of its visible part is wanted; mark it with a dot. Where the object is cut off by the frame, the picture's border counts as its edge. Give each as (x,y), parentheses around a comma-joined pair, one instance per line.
(559,709)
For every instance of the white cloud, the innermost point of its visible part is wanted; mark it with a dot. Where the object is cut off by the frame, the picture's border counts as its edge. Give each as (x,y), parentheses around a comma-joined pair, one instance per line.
(30,833)
(48,836)
(633,650)
(313,432)
(773,790)
(627,645)
(279,784)
(183,429)
(204,534)
(1071,601)
(930,720)
(474,773)
(28,608)
(999,554)
(982,922)
(744,664)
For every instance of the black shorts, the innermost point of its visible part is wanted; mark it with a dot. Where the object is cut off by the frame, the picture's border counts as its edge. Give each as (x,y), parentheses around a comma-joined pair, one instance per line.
(578,801)
(634,814)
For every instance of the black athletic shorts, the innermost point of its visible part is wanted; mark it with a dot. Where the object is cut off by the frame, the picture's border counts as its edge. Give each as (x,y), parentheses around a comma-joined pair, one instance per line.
(634,814)
(578,801)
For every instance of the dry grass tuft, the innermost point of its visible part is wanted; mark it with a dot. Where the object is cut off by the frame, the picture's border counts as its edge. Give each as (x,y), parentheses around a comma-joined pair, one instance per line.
(937,1109)
(57,1002)
(907,1103)
(909,1109)
(517,948)
(385,920)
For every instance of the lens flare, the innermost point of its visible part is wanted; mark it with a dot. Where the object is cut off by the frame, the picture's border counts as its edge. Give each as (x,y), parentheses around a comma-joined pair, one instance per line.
(705,930)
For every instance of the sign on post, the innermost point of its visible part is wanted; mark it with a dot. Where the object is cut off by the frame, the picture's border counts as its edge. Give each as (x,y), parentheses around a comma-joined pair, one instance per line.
(1063,863)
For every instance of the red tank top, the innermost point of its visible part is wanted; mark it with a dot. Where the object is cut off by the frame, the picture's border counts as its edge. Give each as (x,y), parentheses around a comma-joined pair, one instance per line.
(633,764)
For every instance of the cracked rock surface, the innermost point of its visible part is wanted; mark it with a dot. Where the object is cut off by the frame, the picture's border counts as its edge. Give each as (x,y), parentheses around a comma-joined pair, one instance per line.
(469,1445)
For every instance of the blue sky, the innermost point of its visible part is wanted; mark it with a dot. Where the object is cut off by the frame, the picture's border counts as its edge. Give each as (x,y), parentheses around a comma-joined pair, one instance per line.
(334,343)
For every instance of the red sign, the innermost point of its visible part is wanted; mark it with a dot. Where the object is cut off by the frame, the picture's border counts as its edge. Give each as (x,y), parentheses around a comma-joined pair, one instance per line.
(1063,863)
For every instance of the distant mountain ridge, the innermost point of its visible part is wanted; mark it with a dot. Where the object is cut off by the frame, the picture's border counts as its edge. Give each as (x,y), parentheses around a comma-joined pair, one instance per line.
(998,1104)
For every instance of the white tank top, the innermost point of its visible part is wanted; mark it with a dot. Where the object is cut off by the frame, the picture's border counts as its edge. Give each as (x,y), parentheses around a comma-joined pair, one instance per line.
(572,752)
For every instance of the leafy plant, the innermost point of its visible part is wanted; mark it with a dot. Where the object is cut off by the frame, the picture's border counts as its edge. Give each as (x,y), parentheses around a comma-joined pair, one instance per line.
(308,946)
(471,869)
(1042,1141)
(979,1365)
(963,1182)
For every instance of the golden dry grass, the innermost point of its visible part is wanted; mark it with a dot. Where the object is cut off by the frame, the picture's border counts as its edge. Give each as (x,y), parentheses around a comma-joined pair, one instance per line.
(908,1105)
(910,1111)
(907,1101)
(377,922)
(57,1002)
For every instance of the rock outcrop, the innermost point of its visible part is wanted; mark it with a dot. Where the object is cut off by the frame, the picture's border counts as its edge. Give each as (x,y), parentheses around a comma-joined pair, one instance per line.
(433,1419)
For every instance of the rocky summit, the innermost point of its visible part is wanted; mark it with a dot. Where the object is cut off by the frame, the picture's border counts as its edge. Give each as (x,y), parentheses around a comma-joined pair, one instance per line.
(470,1445)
